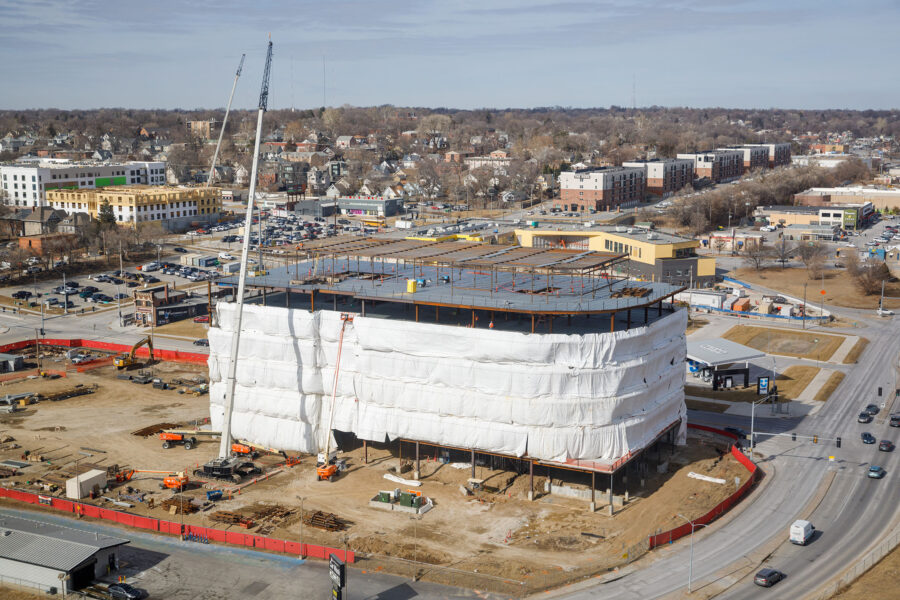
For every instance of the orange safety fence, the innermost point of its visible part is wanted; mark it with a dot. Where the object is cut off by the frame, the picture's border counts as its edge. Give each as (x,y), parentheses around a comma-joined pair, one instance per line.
(667,537)
(247,540)
(161,354)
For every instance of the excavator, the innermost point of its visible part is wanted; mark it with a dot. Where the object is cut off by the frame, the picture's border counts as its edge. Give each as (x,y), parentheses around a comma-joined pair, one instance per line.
(326,465)
(124,361)
(173,480)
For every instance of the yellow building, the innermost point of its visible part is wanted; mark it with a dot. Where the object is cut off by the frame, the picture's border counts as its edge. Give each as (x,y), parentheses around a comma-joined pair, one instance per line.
(653,255)
(174,207)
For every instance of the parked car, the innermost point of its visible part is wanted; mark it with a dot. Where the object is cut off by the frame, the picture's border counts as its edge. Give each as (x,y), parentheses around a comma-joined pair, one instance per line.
(202,342)
(886,446)
(201,319)
(121,296)
(124,591)
(768,577)
(876,472)
(51,301)
(72,284)
(131,284)
(22,295)
(867,438)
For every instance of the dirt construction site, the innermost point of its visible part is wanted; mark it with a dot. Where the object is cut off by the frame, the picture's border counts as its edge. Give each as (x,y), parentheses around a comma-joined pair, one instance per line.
(491,538)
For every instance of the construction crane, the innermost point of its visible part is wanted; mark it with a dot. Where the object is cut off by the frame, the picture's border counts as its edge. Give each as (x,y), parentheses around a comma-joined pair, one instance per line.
(123,361)
(173,480)
(225,444)
(325,465)
(212,169)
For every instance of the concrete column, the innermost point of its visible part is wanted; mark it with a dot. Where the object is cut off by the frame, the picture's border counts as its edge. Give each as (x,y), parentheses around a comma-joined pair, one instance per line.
(473,463)
(416,473)
(365,452)
(363,308)
(646,315)
(612,322)
(530,480)
(264,296)
(593,489)
(611,510)
(287,297)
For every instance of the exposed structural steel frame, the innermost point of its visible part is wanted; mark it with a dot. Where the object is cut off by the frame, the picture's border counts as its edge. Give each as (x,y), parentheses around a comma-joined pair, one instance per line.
(212,169)
(225,444)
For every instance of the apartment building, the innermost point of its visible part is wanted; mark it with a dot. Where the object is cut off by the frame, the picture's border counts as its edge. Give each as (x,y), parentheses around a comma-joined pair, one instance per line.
(202,129)
(26,184)
(755,157)
(664,176)
(717,165)
(175,207)
(652,255)
(602,188)
(498,160)
(779,154)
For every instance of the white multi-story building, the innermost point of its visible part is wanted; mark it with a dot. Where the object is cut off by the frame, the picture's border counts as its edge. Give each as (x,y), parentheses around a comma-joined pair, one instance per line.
(26,183)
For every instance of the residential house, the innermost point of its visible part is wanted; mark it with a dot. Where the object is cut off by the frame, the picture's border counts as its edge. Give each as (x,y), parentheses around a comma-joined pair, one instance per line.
(318,180)
(241,176)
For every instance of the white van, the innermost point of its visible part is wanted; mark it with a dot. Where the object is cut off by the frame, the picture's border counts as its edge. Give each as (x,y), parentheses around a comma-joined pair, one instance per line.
(801,532)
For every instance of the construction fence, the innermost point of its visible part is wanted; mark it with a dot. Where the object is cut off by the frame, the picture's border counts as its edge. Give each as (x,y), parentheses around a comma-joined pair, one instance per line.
(234,538)
(166,355)
(667,537)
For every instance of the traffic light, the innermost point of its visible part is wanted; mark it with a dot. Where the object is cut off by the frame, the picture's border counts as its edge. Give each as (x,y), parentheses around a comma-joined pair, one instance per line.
(815,439)
(793,437)
(838,442)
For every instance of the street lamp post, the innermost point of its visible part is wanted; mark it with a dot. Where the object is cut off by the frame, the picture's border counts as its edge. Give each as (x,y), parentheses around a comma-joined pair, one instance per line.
(753,409)
(301,498)
(691,563)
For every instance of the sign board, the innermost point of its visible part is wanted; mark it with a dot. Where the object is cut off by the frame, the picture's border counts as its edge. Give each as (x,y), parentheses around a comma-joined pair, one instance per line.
(336,571)
(337,593)
(762,386)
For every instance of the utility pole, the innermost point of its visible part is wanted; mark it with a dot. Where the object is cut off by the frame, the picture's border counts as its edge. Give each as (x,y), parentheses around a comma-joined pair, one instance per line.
(212,169)
(803,321)
(225,443)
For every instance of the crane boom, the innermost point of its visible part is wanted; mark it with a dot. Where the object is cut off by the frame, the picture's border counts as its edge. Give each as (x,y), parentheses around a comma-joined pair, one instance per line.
(212,169)
(225,442)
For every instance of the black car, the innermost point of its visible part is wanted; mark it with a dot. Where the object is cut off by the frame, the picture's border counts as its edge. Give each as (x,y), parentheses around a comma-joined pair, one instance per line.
(768,577)
(180,250)
(867,438)
(740,433)
(872,409)
(73,284)
(22,295)
(201,342)
(115,281)
(886,446)
(124,591)
(131,284)
(895,421)
(864,417)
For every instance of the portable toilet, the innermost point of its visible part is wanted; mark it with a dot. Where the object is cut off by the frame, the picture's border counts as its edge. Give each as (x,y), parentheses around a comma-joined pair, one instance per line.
(410,286)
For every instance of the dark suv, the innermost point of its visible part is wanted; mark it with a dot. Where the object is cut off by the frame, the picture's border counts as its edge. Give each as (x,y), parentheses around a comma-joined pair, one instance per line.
(895,421)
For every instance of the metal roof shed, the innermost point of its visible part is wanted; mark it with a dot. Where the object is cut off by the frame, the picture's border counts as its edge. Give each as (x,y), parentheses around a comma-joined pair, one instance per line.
(720,351)
(54,556)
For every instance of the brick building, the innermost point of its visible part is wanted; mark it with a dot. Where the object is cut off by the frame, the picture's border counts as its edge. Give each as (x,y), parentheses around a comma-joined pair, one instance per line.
(779,154)
(717,165)
(601,189)
(664,176)
(755,157)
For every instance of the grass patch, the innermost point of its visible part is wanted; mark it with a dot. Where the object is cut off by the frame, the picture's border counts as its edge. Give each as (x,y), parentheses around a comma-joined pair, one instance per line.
(856,351)
(707,406)
(833,381)
(695,324)
(185,328)
(791,384)
(840,289)
(786,342)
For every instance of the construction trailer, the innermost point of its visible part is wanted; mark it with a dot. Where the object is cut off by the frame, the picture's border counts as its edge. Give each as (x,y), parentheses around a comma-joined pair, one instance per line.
(82,485)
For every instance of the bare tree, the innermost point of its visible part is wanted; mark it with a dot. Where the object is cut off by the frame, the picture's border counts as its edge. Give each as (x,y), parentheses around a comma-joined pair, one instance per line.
(699,223)
(719,244)
(813,256)
(756,255)
(869,277)
(783,251)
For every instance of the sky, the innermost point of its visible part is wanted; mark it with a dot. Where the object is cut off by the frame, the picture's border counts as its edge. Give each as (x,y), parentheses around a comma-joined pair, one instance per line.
(452,53)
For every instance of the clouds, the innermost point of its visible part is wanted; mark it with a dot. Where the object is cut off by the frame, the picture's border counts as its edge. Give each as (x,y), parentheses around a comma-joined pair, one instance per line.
(88,53)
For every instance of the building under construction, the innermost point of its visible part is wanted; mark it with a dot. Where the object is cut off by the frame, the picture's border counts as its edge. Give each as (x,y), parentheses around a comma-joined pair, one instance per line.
(539,355)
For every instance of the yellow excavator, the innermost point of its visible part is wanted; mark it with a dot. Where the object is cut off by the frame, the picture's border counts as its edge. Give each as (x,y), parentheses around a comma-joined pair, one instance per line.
(124,361)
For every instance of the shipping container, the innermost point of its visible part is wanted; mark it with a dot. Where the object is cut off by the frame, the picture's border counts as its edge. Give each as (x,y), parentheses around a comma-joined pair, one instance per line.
(741,304)
(232,267)
(187,259)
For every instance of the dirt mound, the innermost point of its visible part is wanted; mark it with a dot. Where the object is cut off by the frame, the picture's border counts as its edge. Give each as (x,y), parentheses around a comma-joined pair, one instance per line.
(410,550)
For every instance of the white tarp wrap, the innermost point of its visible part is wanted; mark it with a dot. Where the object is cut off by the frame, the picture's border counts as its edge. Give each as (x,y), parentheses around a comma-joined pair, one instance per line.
(551,396)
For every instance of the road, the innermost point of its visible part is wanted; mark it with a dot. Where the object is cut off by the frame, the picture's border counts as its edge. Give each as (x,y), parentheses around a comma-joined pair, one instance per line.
(169,568)
(851,517)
